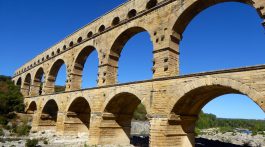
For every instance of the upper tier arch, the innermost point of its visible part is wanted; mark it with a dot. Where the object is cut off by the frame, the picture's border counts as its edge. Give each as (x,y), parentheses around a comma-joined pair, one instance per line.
(191,8)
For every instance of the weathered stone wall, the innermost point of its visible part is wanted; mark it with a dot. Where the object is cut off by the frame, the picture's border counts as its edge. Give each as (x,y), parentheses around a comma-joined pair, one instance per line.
(172,104)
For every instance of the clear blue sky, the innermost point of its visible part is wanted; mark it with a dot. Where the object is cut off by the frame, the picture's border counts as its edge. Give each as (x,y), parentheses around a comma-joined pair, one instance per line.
(227,35)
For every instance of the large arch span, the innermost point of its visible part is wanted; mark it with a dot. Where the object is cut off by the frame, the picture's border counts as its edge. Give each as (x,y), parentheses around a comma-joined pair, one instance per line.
(184,109)
(193,8)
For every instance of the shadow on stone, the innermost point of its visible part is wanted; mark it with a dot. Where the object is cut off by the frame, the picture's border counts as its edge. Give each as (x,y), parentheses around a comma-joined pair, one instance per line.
(143,141)
(140,141)
(202,142)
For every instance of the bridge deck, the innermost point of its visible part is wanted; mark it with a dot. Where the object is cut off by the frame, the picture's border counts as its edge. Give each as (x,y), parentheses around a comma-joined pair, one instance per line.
(199,74)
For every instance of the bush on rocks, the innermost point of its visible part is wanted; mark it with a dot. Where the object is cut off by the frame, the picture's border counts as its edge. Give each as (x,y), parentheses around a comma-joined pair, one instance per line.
(1,132)
(31,142)
(22,130)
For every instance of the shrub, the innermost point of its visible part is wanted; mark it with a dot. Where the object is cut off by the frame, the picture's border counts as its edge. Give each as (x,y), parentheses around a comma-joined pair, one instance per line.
(31,143)
(197,132)
(11,115)
(10,97)
(22,130)
(45,141)
(254,133)
(7,127)
(3,120)
(13,127)
(140,113)
(1,132)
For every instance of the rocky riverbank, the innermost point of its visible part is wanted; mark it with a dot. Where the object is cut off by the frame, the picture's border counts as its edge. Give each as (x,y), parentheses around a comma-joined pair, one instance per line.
(236,138)
(208,137)
(49,139)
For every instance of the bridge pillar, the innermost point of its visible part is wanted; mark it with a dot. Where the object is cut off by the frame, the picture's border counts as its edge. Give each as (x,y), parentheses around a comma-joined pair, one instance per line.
(115,130)
(166,57)
(75,81)
(25,91)
(36,88)
(48,86)
(94,128)
(60,123)
(35,121)
(107,75)
(172,131)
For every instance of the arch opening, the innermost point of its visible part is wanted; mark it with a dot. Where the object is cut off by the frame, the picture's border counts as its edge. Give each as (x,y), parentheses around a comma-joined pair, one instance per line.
(48,116)
(77,120)
(121,111)
(115,21)
(192,102)
(189,106)
(32,108)
(79,40)
(151,3)
(27,85)
(101,28)
(85,68)
(132,13)
(19,81)
(71,44)
(208,40)
(38,82)
(197,7)
(135,42)
(57,77)
(89,34)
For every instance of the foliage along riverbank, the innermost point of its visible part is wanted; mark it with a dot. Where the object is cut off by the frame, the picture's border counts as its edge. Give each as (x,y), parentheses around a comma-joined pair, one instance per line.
(207,121)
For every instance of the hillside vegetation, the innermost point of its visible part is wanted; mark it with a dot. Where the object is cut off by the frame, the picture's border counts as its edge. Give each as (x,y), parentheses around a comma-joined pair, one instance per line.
(10,97)
(229,125)
(11,105)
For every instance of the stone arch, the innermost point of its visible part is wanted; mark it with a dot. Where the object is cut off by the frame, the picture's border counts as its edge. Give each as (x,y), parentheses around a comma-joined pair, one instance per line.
(19,82)
(37,82)
(71,44)
(77,119)
(78,66)
(192,8)
(101,28)
(151,3)
(212,87)
(118,111)
(132,13)
(48,117)
(80,39)
(26,87)
(31,108)
(119,43)
(192,96)
(89,34)
(115,21)
(144,100)
(52,75)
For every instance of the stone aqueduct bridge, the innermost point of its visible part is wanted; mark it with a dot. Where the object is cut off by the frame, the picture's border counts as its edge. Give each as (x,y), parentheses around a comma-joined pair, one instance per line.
(172,102)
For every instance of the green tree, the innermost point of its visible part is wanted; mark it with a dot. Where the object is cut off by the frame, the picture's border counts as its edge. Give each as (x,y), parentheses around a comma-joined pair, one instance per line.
(211,121)
(10,97)
(140,113)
